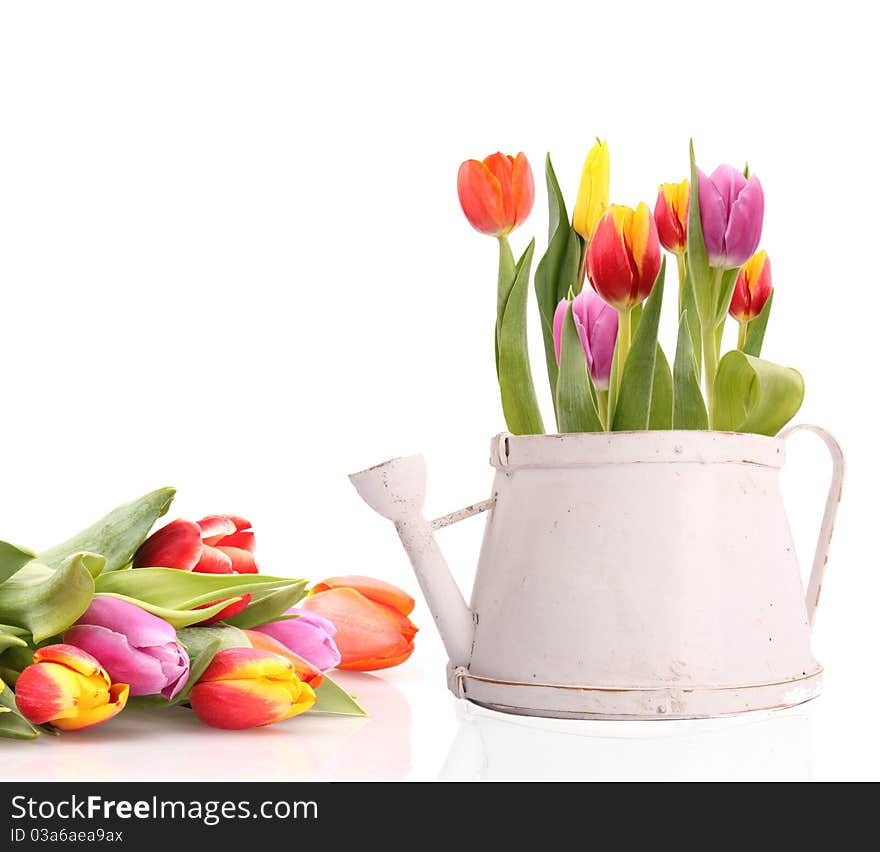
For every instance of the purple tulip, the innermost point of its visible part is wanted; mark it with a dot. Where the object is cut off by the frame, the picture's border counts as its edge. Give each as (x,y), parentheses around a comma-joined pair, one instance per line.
(732,214)
(596,324)
(310,636)
(133,645)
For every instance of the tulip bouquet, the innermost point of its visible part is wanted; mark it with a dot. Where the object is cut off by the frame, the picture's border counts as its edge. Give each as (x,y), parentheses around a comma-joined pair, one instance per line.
(116,617)
(606,369)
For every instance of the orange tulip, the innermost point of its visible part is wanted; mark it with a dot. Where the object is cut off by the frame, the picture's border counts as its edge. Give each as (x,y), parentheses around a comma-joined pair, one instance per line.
(69,689)
(370,616)
(496,194)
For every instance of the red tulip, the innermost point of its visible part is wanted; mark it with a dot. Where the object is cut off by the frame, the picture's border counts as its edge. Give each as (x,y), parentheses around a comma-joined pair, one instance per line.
(305,671)
(217,544)
(496,194)
(247,688)
(624,256)
(753,286)
(370,616)
(671,215)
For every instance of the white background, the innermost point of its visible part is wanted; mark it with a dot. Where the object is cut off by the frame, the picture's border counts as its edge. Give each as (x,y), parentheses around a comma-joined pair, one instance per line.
(232,260)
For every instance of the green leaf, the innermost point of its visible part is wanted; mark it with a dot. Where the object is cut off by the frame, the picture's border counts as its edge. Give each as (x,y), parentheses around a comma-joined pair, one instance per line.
(46,601)
(518,398)
(753,395)
(689,409)
(332,699)
(269,606)
(168,587)
(698,259)
(12,559)
(575,405)
(506,278)
(12,724)
(728,284)
(177,618)
(757,327)
(690,306)
(557,270)
(12,637)
(116,536)
(633,409)
(661,393)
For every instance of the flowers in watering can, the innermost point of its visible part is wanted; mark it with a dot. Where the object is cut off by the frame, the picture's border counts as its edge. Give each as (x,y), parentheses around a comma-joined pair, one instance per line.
(712,225)
(137,611)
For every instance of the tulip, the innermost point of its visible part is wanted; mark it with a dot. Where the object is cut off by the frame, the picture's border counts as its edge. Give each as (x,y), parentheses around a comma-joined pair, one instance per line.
(750,294)
(217,544)
(593,192)
(69,689)
(496,194)
(670,215)
(305,671)
(596,324)
(247,688)
(731,216)
(309,635)
(370,616)
(133,646)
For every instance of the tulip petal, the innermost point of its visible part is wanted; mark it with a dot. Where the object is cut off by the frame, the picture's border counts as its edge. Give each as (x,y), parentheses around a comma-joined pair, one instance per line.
(47,691)
(123,662)
(305,671)
(239,704)
(235,608)
(609,265)
(744,226)
(523,189)
(70,656)
(215,527)
(309,636)
(213,561)
(644,247)
(244,663)
(242,561)
(141,627)
(729,182)
(177,545)
(370,587)
(367,632)
(501,165)
(479,192)
(713,219)
(117,698)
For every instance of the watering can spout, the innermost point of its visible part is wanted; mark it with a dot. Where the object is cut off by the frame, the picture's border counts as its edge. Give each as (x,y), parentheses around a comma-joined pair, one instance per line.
(396,490)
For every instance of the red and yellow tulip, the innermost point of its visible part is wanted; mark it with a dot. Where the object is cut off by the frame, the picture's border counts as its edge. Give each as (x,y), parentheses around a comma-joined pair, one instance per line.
(372,628)
(593,192)
(69,689)
(305,671)
(624,256)
(753,286)
(497,193)
(671,215)
(247,688)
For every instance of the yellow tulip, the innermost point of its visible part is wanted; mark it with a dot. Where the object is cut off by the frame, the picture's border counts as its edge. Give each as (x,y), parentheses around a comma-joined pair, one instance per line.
(593,193)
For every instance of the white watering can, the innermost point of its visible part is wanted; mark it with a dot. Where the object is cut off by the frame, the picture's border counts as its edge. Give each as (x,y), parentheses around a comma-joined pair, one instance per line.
(640,575)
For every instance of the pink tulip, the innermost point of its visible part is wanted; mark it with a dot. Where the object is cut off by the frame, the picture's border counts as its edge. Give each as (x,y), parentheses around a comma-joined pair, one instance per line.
(596,324)
(732,215)
(310,636)
(133,646)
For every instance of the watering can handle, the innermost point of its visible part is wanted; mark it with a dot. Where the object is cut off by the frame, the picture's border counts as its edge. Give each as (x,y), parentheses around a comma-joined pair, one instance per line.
(820,560)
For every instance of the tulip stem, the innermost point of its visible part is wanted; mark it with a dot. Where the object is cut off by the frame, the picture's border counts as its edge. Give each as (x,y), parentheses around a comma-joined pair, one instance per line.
(602,397)
(680,260)
(710,341)
(741,338)
(624,339)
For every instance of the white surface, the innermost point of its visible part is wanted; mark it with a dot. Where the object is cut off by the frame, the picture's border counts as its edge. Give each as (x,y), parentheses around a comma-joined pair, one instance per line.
(225,227)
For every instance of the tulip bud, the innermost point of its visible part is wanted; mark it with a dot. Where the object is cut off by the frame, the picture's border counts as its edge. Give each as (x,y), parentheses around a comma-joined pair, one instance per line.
(370,616)
(623,259)
(671,215)
(596,324)
(308,635)
(496,194)
(753,286)
(731,216)
(248,688)
(593,192)
(133,646)
(68,688)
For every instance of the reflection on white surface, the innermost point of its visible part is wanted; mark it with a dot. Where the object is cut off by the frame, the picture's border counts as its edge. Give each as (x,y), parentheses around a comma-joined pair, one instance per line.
(495,746)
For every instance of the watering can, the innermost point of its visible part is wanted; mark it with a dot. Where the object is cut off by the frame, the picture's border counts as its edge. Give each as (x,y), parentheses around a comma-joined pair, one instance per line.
(639,575)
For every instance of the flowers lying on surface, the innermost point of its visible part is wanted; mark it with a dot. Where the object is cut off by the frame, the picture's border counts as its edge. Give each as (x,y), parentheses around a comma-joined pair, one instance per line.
(496,194)
(67,687)
(305,671)
(248,688)
(218,544)
(372,628)
(133,646)
(596,324)
(309,635)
